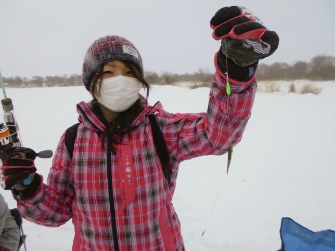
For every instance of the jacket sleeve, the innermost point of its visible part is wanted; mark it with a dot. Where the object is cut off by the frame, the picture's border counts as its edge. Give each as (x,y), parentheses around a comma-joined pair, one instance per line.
(3,211)
(212,133)
(9,230)
(51,205)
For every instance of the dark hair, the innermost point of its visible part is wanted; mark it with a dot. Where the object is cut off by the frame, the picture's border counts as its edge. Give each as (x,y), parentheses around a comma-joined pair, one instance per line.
(97,76)
(124,120)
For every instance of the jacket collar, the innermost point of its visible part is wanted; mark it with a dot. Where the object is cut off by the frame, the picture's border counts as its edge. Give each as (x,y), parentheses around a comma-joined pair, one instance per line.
(92,121)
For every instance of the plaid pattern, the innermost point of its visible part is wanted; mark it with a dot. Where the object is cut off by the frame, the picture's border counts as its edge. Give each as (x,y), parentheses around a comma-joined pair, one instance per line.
(79,190)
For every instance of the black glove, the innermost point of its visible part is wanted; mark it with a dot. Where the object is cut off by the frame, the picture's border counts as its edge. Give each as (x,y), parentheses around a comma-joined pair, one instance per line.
(244,42)
(18,173)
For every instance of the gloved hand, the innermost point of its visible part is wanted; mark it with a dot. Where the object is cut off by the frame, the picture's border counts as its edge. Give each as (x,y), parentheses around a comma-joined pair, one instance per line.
(244,41)
(15,169)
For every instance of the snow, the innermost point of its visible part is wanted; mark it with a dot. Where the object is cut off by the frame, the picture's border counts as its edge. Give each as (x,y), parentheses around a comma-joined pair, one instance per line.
(283,167)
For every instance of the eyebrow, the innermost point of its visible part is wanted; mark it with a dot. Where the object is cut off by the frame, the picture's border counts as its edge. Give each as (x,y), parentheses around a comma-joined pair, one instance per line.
(111,64)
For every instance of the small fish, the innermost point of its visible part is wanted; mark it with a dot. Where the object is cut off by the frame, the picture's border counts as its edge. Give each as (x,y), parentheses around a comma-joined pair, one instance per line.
(230,153)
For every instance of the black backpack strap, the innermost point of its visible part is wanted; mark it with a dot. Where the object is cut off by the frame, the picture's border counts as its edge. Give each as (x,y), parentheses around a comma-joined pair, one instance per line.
(17,216)
(70,138)
(160,146)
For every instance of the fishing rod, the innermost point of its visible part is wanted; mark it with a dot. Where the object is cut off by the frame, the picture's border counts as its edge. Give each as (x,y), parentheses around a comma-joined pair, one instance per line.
(10,139)
(11,143)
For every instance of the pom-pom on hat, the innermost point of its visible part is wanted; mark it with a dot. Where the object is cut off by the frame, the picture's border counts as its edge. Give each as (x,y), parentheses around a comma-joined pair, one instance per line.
(106,49)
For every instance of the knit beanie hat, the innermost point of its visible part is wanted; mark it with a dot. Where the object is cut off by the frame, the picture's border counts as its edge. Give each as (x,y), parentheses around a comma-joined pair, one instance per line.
(106,49)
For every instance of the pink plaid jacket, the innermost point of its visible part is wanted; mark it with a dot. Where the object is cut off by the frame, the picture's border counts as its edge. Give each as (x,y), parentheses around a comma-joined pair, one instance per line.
(123,201)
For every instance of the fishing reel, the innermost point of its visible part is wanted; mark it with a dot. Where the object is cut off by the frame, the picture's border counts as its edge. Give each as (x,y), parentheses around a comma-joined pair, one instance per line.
(8,148)
(6,142)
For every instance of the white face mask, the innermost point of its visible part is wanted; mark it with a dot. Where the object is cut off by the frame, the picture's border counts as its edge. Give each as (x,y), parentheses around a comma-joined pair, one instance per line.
(119,93)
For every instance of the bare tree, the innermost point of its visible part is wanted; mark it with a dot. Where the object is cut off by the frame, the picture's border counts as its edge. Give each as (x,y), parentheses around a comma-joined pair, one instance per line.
(37,81)
(152,77)
(169,78)
(322,68)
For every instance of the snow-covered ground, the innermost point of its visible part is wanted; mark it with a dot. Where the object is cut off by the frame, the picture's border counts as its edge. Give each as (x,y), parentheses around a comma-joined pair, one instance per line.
(283,167)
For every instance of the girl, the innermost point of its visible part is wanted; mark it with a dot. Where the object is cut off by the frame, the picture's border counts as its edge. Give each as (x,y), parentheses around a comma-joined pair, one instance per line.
(113,187)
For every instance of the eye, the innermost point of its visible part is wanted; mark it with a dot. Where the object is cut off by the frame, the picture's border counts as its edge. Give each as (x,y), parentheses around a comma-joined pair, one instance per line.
(107,73)
(130,73)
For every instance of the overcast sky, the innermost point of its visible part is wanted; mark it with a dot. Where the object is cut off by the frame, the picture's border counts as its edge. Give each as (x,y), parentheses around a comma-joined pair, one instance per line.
(39,37)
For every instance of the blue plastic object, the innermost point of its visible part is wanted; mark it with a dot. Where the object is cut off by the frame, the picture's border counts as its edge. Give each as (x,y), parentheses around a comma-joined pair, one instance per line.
(27,181)
(296,237)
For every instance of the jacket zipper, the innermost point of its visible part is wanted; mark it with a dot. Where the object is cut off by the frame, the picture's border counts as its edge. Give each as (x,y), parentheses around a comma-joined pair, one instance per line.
(111,197)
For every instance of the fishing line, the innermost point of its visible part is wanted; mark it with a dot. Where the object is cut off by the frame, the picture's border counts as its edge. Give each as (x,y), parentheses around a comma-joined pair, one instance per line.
(228,89)
(210,215)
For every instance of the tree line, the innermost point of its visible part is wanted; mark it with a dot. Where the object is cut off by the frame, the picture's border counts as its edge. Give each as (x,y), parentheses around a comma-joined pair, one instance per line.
(320,68)
(48,81)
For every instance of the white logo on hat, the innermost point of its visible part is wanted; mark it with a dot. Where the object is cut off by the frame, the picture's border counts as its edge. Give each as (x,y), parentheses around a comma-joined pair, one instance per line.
(130,50)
